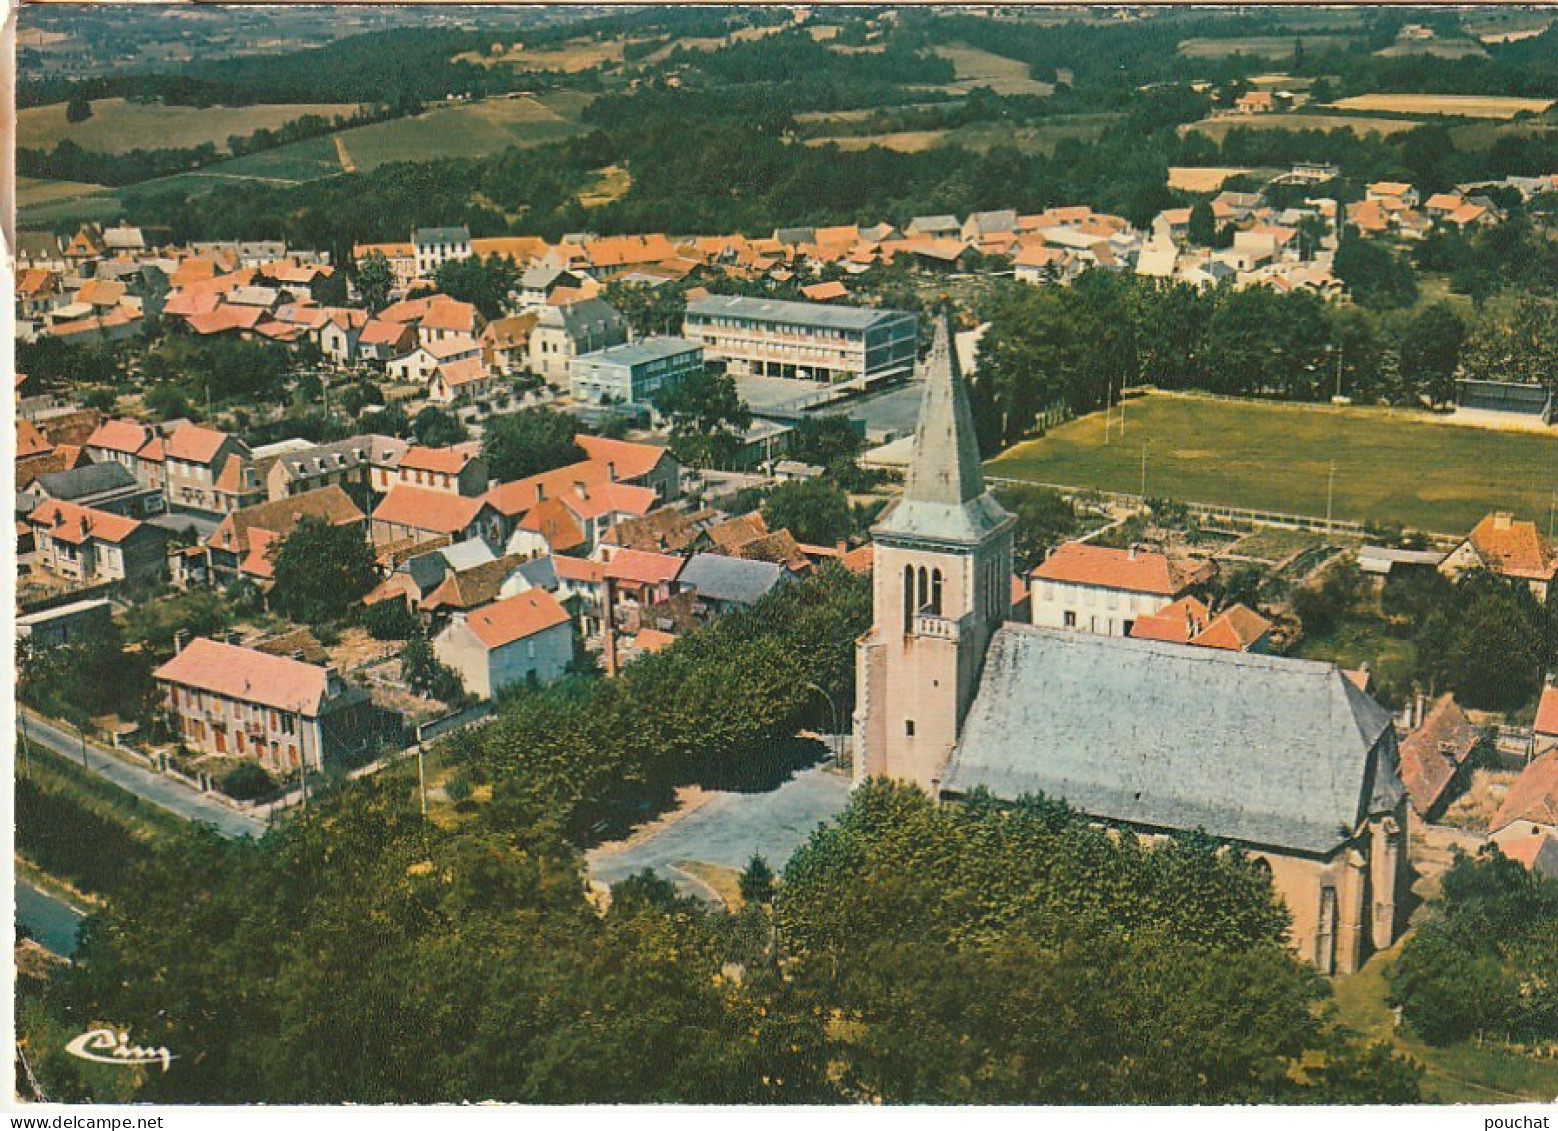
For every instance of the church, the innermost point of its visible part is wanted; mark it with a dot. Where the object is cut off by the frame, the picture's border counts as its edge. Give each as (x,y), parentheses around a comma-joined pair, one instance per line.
(1286,758)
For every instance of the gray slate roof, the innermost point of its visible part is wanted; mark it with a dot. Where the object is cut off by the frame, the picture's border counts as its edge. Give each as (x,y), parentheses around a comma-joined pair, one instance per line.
(1267,750)
(641,351)
(736,580)
(540,572)
(425,236)
(84,481)
(791,313)
(584,318)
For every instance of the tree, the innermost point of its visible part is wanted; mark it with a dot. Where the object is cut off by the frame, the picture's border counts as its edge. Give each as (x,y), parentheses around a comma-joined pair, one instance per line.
(1202,228)
(528,442)
(375,277)
(425,674)
(1490,643)
(1522,347)
(321,571)
(435,428)
(757,881)
(78,109)
(1431,352)
(648,309)
(389,620)
(831,442)
(484,283)
(1375,277)
(1044,520)
(813,510)
(707,418)
(1322,607)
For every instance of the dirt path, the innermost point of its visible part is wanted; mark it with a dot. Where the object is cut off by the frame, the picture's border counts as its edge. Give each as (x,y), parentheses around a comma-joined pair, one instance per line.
(347,164)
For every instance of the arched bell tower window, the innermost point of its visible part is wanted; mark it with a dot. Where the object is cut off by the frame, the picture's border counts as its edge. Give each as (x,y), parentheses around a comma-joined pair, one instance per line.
(908,598)
(923,598)
(935,593)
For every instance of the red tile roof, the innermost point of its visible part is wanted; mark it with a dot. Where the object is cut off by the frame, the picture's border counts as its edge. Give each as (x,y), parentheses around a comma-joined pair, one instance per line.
(1513,548)
(1235,629)
(30,441)
(1533,797)
(1177,623)
(445,461)
(420,509)
(194,444)
(244,673)
(554,522)
(1547,712)
(448,314)
(578,569)
(643,568)
(628,460)
(1431,754)
(1133,571)
(515,618)
(75,525)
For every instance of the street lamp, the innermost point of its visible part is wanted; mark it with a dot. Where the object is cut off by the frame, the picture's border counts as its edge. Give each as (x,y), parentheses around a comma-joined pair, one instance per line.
(836,744)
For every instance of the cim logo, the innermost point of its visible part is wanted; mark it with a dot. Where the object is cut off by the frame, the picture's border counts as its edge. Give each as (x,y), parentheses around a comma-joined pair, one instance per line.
(104,1046)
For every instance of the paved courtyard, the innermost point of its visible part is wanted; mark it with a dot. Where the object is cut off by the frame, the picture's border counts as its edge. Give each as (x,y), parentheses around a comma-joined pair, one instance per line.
(727,829)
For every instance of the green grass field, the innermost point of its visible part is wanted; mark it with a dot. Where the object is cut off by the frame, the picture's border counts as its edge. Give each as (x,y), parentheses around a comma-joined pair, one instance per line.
(473,130)
(118,126)
(1391,466)
(1460,1073)
(1261,46)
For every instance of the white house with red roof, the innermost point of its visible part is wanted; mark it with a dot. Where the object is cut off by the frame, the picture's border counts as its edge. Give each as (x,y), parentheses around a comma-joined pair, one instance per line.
(208,470)
(527,637)
(1104,590)
(419,514)
(92,546)
(136,447)
(458,470)
(225,699)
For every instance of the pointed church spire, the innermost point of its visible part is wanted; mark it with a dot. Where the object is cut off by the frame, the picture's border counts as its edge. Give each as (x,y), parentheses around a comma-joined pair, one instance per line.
(945,465)
(944,497)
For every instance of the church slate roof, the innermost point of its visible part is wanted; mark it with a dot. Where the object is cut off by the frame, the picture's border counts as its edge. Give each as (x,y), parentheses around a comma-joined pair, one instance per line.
(944,497)
(1266,750)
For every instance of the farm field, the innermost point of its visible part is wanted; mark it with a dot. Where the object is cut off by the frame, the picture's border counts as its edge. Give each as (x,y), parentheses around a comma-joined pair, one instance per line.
(570,58)
(1391,466)
(118,126)
(34,190)
(908,141)
(1458,105)
(1263,46)
(1205,179)
(1440,48)
(977,68)
(470,130)
(1219,127)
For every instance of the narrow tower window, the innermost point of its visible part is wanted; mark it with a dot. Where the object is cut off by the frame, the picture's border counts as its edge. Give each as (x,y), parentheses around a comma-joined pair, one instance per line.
(908,598)
(935,593)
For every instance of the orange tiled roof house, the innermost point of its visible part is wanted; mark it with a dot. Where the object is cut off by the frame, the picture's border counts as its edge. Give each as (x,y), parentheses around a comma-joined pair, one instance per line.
(226,699)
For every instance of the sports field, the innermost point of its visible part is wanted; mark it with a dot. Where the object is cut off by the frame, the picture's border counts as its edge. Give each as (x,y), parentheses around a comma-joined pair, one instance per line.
(1395,467)
(118,126)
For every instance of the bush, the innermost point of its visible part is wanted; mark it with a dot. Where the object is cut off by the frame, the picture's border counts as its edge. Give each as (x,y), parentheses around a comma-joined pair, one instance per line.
(389,620)
(247,781)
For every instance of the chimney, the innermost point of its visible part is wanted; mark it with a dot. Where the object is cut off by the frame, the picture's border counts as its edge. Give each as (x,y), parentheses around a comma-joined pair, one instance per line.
(1502,520)
(1130,554)
(580,489)
(180,638)
(611,471)
(540,490)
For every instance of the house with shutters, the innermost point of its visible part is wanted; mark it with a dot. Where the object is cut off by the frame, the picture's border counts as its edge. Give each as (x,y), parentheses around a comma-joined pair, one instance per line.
(209,471)
(562,333)
(1510,547)
(283,712)
(1106,590)
(91,546)
(458,470)
(136,447)
(519,639)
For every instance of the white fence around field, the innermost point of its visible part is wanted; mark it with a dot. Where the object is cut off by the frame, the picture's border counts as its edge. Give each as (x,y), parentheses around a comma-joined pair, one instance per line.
(1214,511)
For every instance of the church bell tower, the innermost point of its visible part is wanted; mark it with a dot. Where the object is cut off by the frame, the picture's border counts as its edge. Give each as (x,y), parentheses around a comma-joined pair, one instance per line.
(942,586)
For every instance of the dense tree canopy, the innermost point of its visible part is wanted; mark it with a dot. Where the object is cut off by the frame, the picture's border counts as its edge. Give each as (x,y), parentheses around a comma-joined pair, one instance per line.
(322,571)
(528,442)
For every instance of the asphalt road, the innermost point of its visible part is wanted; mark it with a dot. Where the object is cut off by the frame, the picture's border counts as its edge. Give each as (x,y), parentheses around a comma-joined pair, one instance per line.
(163,792)
(729,828)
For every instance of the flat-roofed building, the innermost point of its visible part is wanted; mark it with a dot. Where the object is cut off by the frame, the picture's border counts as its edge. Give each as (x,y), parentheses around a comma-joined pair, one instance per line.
(806,340)
(633,373)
